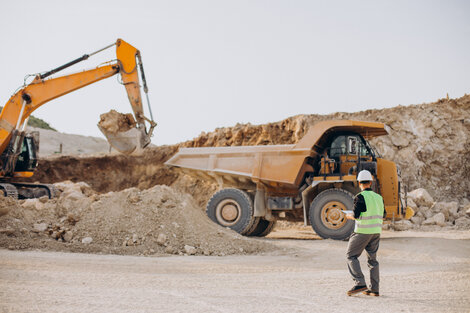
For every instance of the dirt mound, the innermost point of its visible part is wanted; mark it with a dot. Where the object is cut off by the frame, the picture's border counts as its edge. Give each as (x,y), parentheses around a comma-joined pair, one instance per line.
(114,172)
(114,122)
(6,204)
(159,220)
(430,142)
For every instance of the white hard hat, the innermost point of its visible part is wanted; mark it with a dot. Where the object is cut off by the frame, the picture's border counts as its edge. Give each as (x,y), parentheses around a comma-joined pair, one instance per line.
(364,175)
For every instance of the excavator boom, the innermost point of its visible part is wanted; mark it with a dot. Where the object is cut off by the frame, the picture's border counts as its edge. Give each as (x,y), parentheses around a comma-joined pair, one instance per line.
(43,88)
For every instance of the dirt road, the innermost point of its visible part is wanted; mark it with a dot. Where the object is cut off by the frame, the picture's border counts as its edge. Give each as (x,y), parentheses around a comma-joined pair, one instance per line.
(420,272)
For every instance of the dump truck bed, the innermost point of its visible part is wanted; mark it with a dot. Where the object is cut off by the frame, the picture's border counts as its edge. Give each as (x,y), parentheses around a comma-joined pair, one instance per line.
(276,165)
(246,165)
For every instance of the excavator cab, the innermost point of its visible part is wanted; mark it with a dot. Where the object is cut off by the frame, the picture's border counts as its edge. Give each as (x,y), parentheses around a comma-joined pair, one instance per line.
(19,159)
(27,159)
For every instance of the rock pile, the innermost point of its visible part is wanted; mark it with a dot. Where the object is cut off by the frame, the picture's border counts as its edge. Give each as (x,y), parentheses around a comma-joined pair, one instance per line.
(435,213)
(114,122)
(158,221)
(430,142)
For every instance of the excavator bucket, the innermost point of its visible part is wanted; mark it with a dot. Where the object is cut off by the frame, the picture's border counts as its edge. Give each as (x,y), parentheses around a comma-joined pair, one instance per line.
(121,132)
(127,141)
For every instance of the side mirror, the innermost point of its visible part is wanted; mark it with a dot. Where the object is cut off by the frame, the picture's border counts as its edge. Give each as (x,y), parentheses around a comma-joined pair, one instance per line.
(352,145)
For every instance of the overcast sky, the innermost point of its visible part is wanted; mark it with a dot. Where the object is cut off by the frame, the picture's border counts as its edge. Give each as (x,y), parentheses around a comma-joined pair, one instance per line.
(217,63)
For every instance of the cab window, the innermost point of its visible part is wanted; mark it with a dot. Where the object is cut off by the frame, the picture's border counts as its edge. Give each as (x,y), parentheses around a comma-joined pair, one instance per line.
(338,146)
(348,144)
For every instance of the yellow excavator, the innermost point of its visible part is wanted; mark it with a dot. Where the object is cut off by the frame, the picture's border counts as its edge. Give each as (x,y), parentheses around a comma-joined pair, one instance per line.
(18,149)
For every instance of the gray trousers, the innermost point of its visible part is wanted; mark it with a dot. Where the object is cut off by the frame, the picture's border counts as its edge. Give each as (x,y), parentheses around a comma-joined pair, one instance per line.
(357,244)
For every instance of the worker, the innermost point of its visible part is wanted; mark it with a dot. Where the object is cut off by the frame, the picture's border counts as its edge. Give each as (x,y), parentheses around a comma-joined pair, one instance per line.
(368,213)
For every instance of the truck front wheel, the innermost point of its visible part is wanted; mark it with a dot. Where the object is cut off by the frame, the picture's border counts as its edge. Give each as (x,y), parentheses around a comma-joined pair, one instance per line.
(232,208)
(326,215)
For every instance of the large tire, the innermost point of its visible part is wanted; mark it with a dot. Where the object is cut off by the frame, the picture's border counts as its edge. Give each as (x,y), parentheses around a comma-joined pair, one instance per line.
(263,228)
(232,208)
(326,217)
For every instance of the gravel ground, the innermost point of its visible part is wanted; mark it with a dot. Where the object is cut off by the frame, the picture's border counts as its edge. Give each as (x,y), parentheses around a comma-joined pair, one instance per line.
(420,272)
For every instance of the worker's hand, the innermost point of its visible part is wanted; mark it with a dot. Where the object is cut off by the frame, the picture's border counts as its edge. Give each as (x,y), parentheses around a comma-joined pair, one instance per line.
(350,217)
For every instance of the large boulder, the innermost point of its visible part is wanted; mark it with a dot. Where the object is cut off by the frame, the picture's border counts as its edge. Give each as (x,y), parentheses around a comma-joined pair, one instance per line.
(412,204)
(463,222)
(29,204)
(421,197)
(467,210)
(438,219)
(400,141)
(190,250)
(74,197)
(427,212)
(402,225)
(418,220)
(40,227)
(449,209)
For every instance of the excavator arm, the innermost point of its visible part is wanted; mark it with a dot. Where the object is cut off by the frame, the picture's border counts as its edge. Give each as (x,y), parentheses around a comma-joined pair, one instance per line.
(23,103)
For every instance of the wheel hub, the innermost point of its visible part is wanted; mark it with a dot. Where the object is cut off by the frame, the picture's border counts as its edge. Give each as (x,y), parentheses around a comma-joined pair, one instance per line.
(332,215)
(228,212)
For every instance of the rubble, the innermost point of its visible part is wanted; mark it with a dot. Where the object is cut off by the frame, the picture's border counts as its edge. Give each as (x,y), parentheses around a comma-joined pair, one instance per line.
(68,236)
(161,239)
(6,205)
(159,220)
(429,213)
(418,220)
(114,122)
(190,250)
(463,222)
(39,228)
(438,219)
(7,231)
(87,240)
(402,225)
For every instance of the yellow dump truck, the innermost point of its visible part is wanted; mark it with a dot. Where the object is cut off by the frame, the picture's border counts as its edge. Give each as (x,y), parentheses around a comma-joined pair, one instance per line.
(313,180)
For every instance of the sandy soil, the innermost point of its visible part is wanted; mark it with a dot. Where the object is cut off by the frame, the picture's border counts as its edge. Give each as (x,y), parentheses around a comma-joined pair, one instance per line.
(420,272)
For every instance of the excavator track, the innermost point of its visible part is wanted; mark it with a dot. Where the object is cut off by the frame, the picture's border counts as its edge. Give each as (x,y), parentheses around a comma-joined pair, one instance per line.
(29,190)
(9,190)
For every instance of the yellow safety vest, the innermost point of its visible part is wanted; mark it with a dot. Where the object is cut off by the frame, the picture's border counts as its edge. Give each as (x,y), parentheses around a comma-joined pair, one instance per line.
(370,221)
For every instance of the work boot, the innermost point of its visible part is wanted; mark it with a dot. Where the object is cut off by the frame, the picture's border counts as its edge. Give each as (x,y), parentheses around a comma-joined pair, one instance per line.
(356,289)
(371,293)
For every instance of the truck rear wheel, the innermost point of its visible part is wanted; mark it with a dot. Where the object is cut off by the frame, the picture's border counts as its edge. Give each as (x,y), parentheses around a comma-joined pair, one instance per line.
(326,217)
(263,228)
(232,208)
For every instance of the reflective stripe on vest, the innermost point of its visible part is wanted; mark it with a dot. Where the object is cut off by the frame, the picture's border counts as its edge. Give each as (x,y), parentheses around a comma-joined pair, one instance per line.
(370,221)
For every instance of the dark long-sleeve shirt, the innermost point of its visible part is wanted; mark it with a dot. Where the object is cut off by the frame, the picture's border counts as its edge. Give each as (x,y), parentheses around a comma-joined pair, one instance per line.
(360,205)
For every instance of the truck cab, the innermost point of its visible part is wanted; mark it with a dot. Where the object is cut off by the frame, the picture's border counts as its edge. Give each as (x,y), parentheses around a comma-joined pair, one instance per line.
(347,154)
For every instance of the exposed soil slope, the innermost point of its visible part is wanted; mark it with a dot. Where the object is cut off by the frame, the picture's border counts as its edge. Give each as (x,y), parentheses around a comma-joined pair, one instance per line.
(430,142)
